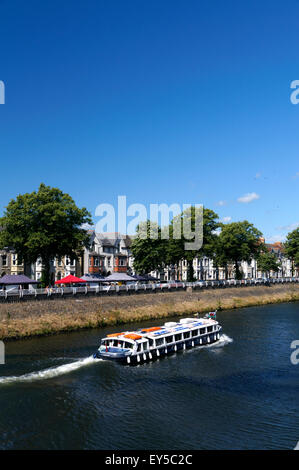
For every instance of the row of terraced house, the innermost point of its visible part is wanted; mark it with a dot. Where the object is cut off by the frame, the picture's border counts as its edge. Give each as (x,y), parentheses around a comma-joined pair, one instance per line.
(110,253)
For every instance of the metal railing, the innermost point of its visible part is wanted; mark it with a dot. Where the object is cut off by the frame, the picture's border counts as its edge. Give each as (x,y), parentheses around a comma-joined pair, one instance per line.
(67,292)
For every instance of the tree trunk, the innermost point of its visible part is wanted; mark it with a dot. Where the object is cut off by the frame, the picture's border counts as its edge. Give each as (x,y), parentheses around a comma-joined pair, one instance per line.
(292,267)
(238,272)
(45,278)
(190,271)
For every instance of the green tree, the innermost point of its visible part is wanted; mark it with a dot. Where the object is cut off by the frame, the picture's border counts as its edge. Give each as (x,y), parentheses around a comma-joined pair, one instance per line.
(176,250)
(148,249)
(238,241)
(291,247)
(267,262)
(219,256)
(46,224)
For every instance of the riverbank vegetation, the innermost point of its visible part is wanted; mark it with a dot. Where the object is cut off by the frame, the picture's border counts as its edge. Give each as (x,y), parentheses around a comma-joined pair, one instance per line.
(35,318)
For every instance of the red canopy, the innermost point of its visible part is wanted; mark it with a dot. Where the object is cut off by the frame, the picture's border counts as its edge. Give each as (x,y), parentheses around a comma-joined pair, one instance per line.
(70,279)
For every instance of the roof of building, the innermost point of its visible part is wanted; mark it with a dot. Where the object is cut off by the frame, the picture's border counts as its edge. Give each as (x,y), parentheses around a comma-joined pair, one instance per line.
(110,239)
(276,247)
(128,241)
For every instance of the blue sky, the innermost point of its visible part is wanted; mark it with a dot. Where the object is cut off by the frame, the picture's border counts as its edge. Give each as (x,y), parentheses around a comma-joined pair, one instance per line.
(162,101)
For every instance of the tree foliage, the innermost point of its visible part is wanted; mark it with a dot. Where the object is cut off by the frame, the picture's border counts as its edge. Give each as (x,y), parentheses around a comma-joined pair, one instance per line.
(149,253)
(44,224)
(291,246)
(154,253)
(267,262)
(238,241)
(176,250)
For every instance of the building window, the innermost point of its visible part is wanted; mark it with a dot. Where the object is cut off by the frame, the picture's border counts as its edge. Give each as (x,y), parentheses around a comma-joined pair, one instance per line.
(4,260)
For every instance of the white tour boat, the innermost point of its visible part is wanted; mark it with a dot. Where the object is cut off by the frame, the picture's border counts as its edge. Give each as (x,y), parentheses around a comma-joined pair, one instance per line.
(134,347)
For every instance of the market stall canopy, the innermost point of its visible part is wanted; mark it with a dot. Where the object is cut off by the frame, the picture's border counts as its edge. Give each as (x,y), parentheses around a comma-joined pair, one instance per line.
(92,278)
(119,277)
(144,277)
(70,279)
(10,279)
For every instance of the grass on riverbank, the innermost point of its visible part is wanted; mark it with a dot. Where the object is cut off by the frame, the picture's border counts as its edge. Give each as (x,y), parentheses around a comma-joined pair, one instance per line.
(32,318)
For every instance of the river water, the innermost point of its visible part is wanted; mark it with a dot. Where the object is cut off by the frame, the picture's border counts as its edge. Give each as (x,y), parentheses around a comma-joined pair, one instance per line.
(242,393)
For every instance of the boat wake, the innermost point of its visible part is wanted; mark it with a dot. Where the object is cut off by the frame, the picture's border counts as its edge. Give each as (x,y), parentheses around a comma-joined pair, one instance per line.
(70,367)
(213,347)
(49,373)
(223,341)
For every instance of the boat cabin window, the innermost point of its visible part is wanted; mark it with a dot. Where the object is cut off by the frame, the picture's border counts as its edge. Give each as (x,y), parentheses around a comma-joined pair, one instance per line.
(128,345)
(202,331)
(210,328)
(151,342)
(145,346)
(139,347)
(169,339)
(194,333)
(178,337)
(187,334)
(159,341)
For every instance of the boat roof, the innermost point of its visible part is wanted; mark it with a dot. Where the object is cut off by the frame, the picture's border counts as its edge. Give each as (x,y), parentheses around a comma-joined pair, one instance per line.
(144,334)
